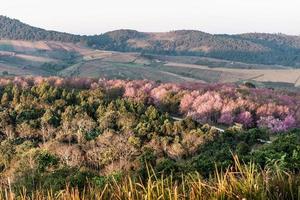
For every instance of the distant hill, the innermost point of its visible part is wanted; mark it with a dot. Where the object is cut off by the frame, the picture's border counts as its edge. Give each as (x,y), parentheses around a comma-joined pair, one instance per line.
(16,30)
(253,48)
(177,41)
(279,41)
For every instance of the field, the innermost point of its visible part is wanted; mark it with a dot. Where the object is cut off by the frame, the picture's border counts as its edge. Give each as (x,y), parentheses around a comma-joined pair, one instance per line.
(48,58)
(291,76)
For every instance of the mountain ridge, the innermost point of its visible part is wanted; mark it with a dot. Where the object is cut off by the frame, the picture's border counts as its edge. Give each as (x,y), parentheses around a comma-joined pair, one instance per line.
(254,48)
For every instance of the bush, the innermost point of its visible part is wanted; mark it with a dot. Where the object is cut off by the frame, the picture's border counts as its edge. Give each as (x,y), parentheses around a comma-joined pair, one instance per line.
(286,147)
(46,160)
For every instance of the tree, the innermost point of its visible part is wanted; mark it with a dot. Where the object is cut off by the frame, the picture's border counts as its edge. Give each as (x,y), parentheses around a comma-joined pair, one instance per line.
(6,124)
(49,122)
(4,73)
(109,121)
(167,128)
(84,125)
(5,99)
(151,113)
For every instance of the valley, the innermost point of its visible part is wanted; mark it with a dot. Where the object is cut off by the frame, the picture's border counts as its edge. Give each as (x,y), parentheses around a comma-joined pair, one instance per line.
(50,58)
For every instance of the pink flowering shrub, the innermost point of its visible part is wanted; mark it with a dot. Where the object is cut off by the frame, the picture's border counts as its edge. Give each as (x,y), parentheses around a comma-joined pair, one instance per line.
(226,118)
(245,118)
(275,124)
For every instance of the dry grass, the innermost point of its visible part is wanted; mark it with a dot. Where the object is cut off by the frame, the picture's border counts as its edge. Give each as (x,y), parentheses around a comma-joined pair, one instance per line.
(238,182)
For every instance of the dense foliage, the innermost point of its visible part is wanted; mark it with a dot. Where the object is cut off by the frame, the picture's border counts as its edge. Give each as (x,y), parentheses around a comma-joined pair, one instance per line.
(81,132)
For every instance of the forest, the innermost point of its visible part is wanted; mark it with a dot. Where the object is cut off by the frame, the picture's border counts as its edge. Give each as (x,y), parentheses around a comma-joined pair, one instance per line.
(80,138)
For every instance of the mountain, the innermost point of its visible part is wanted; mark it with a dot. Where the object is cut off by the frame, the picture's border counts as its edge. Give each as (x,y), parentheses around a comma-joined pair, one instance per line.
(252,48)
(177,42)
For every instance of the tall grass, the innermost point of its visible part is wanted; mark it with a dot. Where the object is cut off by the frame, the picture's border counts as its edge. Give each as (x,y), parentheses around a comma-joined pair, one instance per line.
(241,181)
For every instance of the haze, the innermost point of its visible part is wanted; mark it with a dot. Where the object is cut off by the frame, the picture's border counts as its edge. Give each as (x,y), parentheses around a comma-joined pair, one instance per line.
(214,16)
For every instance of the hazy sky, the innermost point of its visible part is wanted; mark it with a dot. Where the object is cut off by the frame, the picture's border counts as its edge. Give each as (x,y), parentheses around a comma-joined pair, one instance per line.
(214,16)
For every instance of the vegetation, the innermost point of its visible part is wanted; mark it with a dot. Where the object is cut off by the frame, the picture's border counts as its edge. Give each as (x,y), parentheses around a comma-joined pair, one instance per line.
(86,138)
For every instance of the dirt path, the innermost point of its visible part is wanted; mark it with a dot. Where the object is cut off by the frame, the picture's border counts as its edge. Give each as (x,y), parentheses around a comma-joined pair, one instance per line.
(183,77)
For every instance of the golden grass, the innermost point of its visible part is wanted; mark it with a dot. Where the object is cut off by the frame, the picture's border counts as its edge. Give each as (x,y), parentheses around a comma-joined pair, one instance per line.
(242,181)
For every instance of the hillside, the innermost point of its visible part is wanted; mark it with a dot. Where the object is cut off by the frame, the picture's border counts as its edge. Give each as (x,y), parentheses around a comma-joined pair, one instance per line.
(249,48)
(16,30)
(178,41)
(255,48)
(273,40)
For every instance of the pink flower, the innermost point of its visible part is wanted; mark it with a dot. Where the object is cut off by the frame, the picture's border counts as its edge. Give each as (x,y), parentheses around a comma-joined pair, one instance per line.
(277,125)
(245,118)
(226,118)
(289,122)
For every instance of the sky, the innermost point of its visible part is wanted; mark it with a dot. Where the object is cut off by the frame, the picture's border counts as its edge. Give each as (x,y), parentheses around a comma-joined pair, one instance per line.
(89,17)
